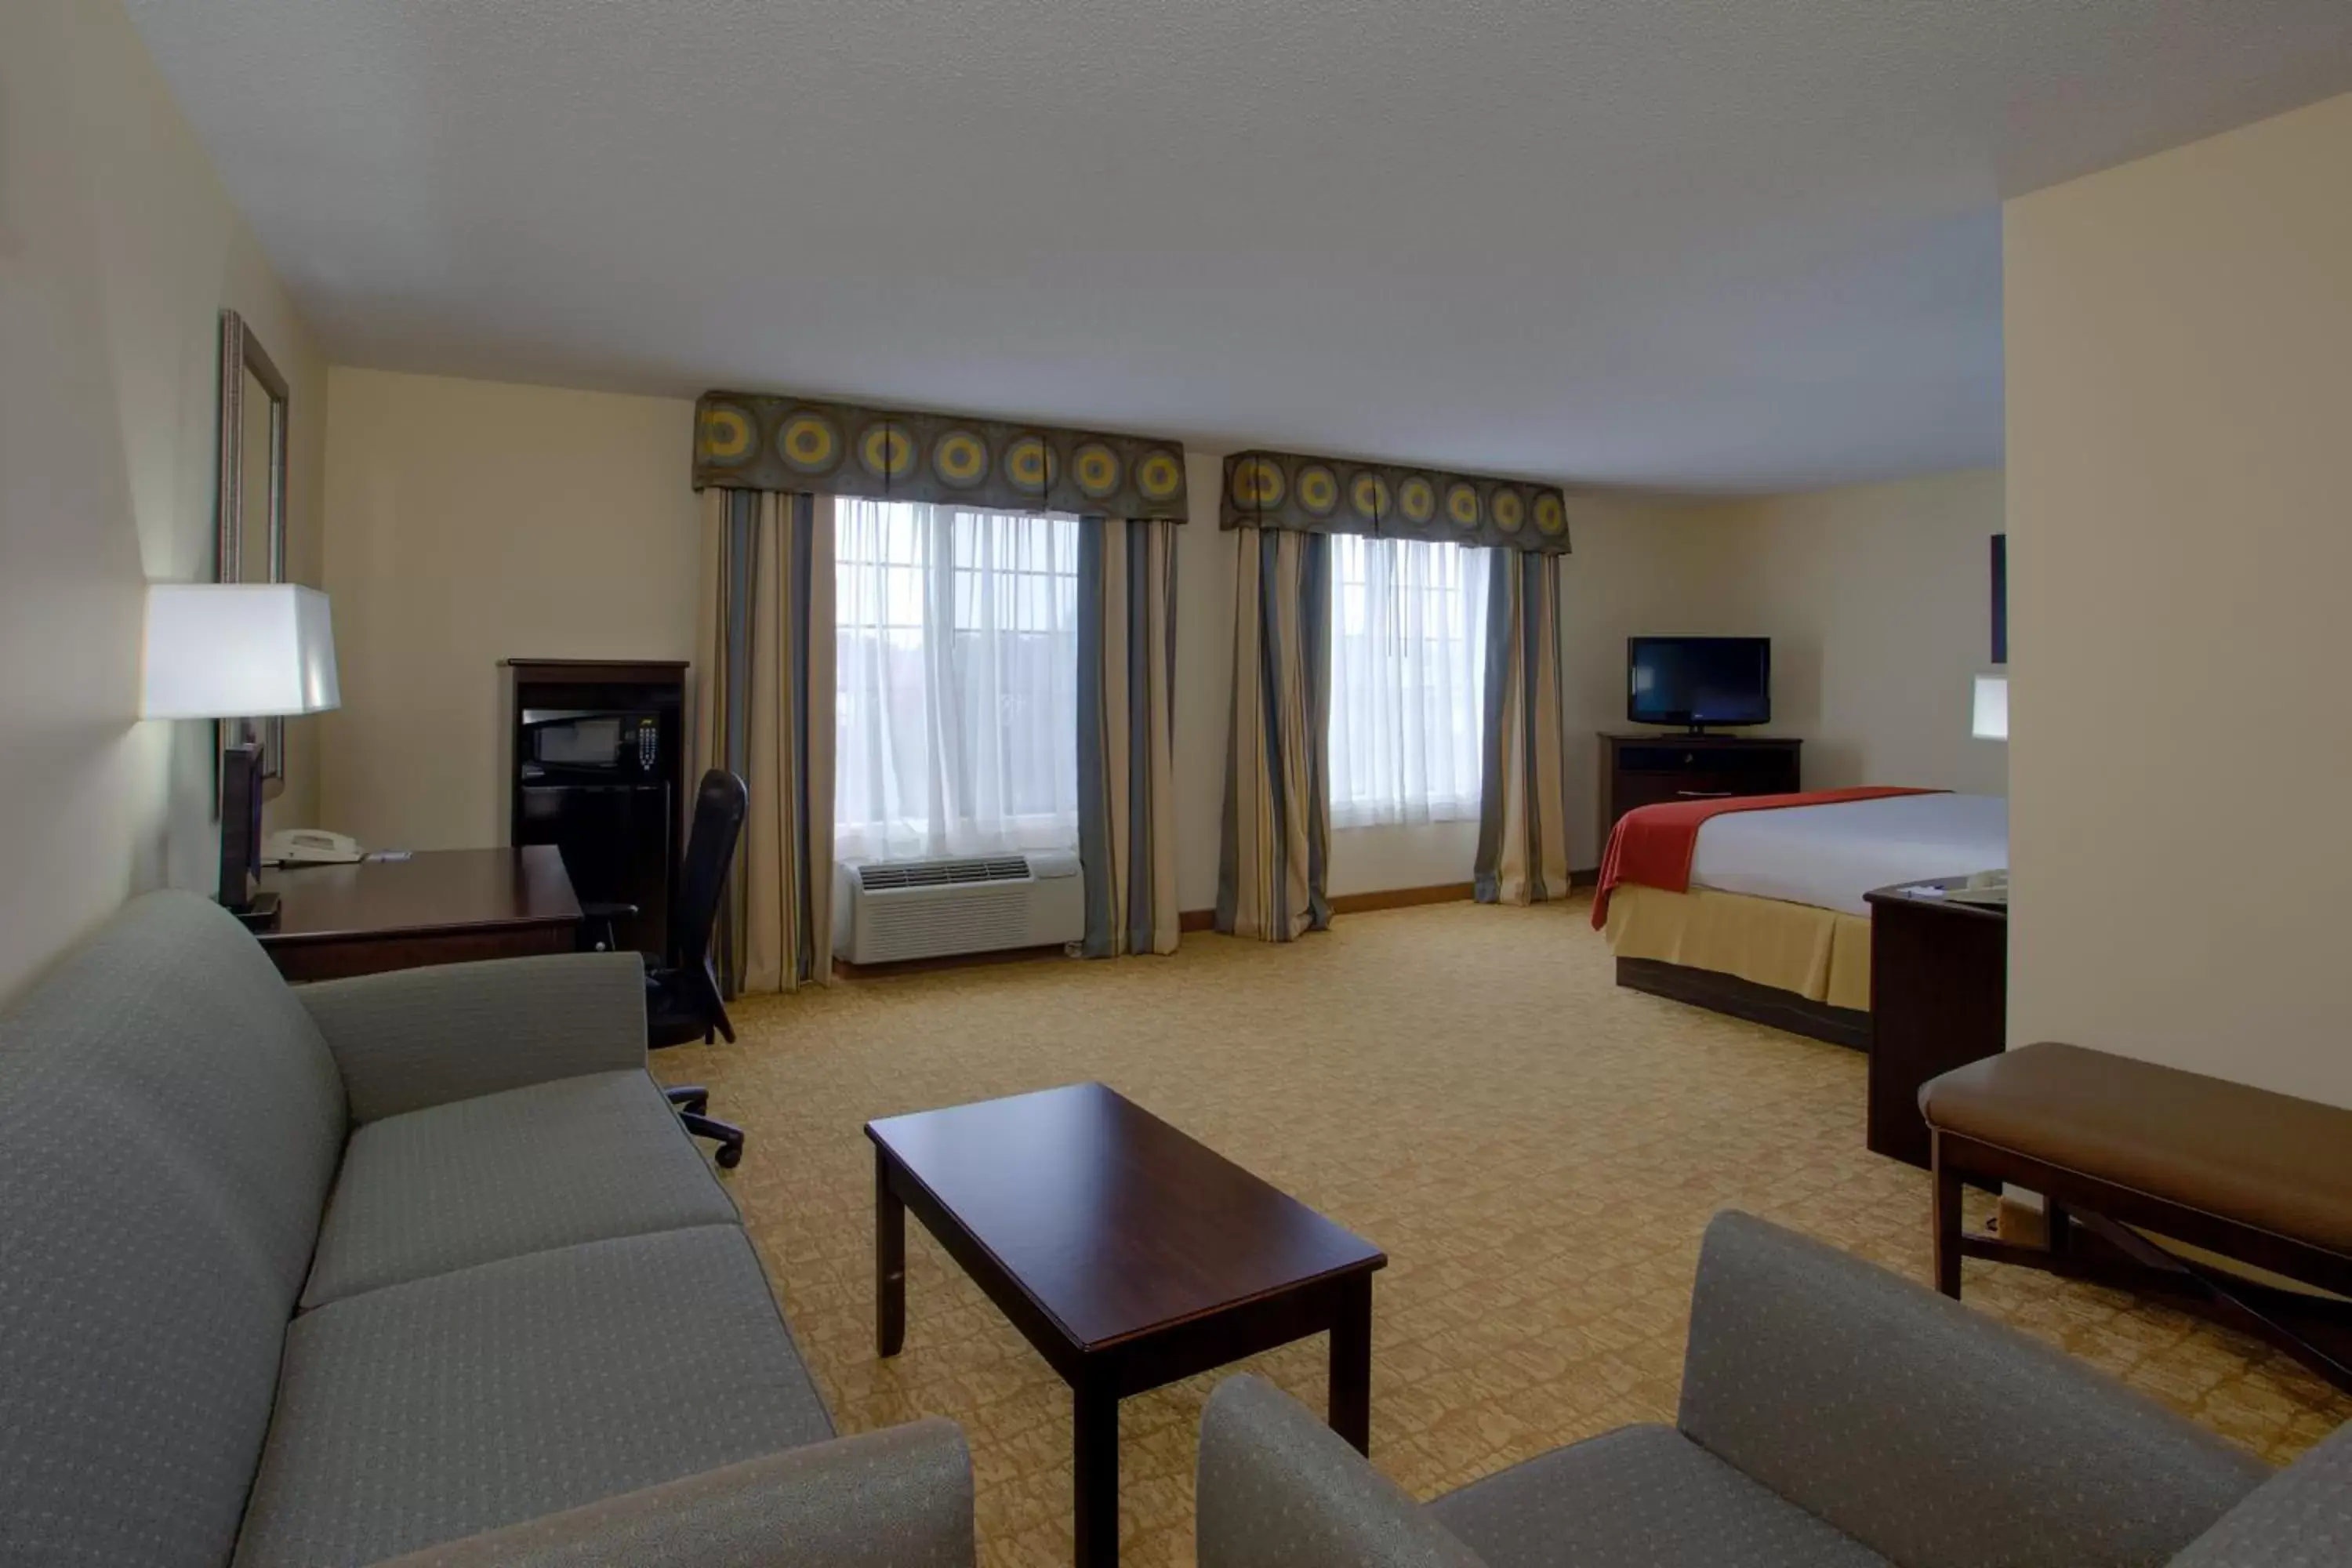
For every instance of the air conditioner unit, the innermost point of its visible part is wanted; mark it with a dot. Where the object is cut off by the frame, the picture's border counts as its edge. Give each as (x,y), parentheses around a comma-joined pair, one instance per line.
(887,911)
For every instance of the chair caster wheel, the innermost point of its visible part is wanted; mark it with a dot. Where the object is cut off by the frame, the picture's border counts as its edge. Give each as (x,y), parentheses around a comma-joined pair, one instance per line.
(729,1155)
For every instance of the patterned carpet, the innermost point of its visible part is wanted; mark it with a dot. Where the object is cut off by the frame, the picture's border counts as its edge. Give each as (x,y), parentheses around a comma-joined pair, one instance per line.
(1536,1150)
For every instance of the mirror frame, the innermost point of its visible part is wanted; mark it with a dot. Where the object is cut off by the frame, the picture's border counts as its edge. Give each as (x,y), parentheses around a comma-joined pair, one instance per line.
(241,352)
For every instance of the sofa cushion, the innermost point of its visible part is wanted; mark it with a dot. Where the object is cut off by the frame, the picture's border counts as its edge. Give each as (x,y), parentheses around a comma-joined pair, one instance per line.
(574,1160)
(1643,1496)
(427,1411)
(2300,1518)
(170,1121)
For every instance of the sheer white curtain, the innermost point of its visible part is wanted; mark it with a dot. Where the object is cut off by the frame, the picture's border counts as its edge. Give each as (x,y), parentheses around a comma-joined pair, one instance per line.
(955,680)
(1408,680)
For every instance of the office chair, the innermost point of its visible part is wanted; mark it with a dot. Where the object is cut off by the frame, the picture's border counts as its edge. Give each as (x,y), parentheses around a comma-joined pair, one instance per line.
(682,1000)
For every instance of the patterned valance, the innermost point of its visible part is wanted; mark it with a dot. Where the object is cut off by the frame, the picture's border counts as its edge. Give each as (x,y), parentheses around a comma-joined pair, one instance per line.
(1327,495)
(755,441)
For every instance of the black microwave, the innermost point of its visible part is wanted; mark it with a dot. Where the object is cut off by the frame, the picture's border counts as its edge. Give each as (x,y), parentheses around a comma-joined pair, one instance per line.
(599,742)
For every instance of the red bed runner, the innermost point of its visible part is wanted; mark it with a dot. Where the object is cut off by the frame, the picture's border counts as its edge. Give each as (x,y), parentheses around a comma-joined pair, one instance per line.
(1652,845)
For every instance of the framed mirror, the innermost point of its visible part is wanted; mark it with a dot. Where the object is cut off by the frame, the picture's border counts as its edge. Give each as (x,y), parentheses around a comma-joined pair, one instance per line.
(251,515)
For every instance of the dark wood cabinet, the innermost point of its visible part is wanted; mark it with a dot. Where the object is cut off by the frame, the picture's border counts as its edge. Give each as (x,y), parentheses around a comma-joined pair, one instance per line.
(1648,770)
(1938,1000)
(597,767)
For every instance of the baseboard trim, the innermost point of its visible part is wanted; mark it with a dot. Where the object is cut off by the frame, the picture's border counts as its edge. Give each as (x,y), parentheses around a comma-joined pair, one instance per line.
(1206,919)
(1390,899)
(845,970)
(1402,897)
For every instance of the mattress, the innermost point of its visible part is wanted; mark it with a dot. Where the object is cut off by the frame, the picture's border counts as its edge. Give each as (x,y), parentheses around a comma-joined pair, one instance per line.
(1828,856)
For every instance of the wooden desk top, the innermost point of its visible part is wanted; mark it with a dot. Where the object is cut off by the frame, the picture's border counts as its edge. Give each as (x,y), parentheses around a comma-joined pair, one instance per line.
(1110,1220)
(1899,894)
(433,891)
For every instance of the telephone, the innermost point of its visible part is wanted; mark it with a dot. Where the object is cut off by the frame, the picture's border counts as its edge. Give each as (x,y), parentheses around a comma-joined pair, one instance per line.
(309,845)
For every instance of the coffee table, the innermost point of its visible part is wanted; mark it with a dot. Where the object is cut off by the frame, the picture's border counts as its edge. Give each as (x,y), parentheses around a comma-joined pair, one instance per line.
(1128,1254)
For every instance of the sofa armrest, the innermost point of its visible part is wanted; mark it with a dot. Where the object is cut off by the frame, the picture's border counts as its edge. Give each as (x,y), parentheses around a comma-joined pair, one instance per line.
(417,1038)
(1932,1433)
(1277,1489)
(900,1497)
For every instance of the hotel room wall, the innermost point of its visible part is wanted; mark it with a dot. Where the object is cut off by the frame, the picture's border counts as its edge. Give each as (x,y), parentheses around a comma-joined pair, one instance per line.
(2178,333)
(1878,601)
(1636,559)
(471,521)
(118,249)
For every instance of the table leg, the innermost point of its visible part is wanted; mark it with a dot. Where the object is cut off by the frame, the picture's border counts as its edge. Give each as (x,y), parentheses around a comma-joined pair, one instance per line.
(889,1262)
(1351,1364)
(1095,1475)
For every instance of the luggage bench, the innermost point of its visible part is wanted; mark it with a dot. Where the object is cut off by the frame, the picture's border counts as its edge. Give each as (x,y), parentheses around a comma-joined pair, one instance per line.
(2119,1148)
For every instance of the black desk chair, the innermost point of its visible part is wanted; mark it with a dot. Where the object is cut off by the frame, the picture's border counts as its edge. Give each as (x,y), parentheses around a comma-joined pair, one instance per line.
(682,1000)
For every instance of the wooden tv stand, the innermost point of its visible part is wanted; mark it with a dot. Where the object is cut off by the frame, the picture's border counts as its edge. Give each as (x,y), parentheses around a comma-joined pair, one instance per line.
(1660,766)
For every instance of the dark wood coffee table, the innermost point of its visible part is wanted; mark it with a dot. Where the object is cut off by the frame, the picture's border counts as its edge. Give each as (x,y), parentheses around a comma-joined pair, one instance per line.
(1129,1255)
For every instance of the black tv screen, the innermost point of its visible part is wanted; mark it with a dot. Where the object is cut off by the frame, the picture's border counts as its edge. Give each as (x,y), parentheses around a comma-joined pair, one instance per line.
(1694,681)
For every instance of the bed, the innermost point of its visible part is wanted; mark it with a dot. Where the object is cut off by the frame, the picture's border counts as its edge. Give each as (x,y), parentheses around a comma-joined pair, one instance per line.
(1770,923)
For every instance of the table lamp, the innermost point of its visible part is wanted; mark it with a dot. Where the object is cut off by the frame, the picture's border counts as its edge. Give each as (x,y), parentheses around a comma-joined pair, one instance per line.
(1991,721)
(238,650)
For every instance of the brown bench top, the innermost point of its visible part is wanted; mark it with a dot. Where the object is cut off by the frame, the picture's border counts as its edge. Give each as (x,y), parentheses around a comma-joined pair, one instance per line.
(2266,1160)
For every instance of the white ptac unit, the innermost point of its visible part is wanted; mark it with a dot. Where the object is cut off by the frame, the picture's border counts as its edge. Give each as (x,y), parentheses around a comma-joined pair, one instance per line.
(887,911)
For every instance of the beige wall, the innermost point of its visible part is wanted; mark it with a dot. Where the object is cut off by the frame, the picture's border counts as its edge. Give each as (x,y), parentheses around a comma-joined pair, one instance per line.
(469,523)
(1878,602)
(118,248)
(472,521)
(2179,349)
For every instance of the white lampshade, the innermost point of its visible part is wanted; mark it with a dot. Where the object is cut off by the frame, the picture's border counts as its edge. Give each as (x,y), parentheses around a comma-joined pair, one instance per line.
(236,650)
(1992,708)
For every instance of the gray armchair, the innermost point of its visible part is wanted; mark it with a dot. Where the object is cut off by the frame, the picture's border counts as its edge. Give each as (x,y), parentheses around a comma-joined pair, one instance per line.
(1831,1415)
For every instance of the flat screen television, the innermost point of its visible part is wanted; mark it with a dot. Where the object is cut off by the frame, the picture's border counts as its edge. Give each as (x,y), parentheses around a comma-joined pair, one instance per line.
(1697,681)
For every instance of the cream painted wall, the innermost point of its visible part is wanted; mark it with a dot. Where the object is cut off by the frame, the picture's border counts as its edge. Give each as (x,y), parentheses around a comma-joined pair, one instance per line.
(118,249)
(1363,859)
(1633,559)
(469,523)
(472,521)
(1878,602)
(2180,371)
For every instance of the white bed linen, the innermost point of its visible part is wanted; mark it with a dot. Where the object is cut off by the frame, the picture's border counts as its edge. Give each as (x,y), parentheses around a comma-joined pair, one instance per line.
(1828,856)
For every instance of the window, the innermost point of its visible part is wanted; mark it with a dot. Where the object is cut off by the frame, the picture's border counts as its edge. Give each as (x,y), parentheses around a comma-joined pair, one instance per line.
(955,685)
(1408,680)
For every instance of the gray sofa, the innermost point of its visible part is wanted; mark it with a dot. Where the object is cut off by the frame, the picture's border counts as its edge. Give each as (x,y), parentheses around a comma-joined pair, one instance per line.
(1833,1417)
(418,1266)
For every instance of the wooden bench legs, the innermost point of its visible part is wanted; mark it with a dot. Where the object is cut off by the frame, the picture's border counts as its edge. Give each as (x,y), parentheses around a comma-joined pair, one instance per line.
(2094,1235)
(1948,1221)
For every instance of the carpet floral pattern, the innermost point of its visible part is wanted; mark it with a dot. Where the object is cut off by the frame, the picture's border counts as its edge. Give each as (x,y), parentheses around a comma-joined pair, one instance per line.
(1536,1150)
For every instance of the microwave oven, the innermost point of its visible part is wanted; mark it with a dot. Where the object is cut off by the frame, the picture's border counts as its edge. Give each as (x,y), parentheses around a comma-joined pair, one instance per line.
(591,742)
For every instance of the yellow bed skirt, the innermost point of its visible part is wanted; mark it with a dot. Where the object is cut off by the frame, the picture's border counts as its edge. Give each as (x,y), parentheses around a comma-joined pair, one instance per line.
(1820,954)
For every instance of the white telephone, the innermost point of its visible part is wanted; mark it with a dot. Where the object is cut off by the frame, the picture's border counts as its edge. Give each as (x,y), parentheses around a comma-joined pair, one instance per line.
(309,847)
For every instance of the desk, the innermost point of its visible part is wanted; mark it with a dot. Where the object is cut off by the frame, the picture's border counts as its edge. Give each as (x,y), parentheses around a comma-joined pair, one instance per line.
(440,906)
(1938,1000)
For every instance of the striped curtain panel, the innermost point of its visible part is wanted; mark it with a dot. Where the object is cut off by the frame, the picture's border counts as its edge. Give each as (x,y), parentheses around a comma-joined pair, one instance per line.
(1277,839)
(763,709)
(1523,813)
(1127,734)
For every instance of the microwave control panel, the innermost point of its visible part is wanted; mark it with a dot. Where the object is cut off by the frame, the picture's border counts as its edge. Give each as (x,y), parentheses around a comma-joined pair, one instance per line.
(648,744)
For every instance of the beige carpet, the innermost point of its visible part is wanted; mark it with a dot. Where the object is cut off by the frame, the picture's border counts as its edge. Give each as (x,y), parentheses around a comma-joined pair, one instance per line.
(1536,1150)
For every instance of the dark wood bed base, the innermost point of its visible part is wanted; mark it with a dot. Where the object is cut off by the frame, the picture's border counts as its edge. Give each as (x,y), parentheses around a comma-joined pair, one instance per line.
(1766,1005)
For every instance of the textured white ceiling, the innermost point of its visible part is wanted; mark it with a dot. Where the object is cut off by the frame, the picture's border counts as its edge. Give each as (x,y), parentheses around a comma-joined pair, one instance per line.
(1694,244)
